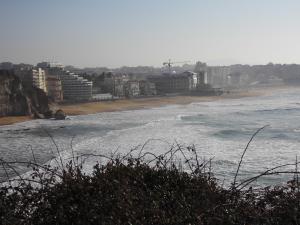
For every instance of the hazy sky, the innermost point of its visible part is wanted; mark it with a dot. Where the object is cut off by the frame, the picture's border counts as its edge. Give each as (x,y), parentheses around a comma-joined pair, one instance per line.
(114,33)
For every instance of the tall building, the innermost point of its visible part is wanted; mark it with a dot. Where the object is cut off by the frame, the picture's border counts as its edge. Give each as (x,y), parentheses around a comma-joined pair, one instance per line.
(218,76)
(74,87)
(54,88)
(201,70)
(31,76)
(39,79)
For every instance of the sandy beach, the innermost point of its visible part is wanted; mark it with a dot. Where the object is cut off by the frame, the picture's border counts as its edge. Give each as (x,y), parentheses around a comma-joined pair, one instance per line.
(132,104)
(142,103)
(7,120)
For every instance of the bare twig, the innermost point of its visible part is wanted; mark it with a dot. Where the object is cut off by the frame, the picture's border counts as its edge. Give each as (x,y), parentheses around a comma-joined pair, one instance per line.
(150,140)
(186,159)
(240,162)
(72,149)
(9,163)
(5,170)
(56,147)
(11,167)
(267,172)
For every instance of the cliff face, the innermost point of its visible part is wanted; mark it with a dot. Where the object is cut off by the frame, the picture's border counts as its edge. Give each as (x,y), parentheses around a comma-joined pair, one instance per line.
(15,100)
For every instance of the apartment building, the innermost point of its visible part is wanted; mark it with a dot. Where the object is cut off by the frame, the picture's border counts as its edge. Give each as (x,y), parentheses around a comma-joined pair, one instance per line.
(75,87)
(39,79)
(174,83)
(132,88)
(54,88)
(114,84)
(32,76)
(147,88)
(217,76)
(201,71)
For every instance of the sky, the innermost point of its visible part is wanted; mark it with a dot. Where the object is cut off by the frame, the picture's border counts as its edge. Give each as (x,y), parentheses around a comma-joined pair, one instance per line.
(114,33)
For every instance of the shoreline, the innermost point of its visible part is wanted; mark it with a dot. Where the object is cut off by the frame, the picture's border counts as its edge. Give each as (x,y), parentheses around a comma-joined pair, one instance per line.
(142,103)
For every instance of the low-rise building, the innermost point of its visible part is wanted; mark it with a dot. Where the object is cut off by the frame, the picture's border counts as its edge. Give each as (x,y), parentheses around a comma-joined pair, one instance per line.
(147,88)
(123,85)
(217,76)
(132,88)
(114,83)
(193,79)
(47,65)
(6,66)
(174,83)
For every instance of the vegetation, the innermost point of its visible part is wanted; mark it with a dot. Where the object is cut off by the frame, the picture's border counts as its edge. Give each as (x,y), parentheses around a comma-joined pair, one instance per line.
(144,188)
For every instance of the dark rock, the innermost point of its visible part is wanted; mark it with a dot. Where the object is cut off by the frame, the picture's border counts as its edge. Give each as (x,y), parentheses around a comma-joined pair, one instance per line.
(60,115)
(48,114)
(37,115)
(38,101)
(15,100)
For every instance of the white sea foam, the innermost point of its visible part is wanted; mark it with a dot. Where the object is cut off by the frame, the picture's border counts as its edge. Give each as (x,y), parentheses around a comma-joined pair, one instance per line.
(219,129)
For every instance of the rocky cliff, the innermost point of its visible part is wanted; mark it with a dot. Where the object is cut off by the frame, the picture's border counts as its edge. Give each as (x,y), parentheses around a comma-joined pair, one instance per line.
(15,100)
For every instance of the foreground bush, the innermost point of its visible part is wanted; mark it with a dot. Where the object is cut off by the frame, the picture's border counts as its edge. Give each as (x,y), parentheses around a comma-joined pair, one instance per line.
(134,191)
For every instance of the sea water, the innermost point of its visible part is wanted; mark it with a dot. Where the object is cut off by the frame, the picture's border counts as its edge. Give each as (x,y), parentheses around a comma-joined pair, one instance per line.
(218,129)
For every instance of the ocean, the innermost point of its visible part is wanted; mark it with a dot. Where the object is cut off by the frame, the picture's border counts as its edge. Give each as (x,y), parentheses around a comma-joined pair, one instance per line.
(218,129)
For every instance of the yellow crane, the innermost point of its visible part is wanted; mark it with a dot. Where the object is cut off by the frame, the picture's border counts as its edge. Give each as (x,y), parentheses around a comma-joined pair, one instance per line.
(170,63)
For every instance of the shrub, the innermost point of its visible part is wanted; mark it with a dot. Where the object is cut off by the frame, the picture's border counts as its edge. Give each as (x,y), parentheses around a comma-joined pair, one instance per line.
(139,190)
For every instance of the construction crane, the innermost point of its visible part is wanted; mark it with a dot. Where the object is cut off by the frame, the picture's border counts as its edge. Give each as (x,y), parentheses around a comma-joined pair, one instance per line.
(170,63)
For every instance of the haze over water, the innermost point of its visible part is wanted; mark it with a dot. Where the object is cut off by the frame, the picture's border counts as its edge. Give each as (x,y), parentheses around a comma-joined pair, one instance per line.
(219,129)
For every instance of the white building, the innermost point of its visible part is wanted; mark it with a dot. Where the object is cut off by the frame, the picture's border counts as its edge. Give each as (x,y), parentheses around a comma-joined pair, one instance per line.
(74,87)
(39,79)
(217,76)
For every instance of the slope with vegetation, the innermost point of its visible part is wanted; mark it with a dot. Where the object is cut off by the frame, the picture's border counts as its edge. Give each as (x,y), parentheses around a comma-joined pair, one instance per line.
(143,188)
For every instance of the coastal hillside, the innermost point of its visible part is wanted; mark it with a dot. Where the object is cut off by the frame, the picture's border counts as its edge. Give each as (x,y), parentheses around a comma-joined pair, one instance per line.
(15,100)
